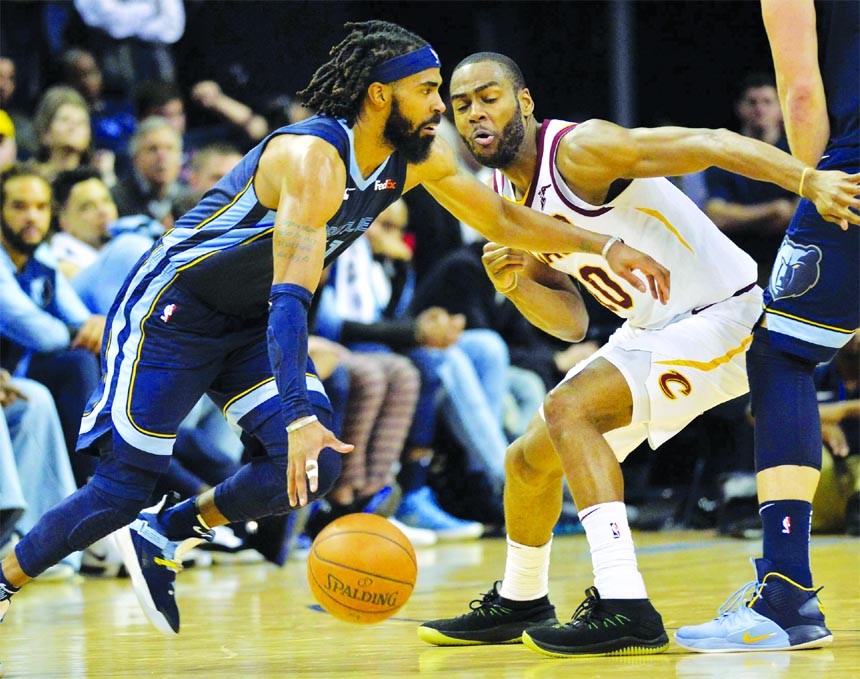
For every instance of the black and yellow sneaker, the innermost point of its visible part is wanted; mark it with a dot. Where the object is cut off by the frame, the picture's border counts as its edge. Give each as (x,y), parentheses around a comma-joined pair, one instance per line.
(602,627)
(491,620)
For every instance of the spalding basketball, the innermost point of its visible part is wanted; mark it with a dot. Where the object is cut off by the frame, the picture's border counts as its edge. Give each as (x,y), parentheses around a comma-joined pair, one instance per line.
(361,568)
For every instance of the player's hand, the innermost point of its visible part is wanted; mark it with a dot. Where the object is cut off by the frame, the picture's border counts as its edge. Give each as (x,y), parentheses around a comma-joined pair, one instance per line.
(624,260)
(503,265)
(305,445)
(836,196)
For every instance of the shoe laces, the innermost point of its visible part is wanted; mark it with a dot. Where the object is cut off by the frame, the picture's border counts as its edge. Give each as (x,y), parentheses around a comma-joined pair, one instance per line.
(585,612)
(488,604)
(588,613)
(741,598)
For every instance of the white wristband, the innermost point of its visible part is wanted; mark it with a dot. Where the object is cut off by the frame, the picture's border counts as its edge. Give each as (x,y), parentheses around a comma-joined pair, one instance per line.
(612,241)
(301,422)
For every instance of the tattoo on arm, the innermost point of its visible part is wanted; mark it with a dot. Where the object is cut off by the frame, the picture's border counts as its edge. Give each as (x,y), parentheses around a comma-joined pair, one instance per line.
(293,241)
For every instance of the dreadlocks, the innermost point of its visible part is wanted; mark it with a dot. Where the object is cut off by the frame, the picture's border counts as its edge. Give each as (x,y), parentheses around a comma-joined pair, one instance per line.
(338,86)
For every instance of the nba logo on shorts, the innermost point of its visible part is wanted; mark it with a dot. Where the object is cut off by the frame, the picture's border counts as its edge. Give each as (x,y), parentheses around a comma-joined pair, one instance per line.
(168,312)
(786,525)
(616,532)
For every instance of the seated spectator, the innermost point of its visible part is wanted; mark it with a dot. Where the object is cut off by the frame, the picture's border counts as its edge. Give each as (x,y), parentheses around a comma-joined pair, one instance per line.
(62,126)
(47,332)
(161,99)
(24,134)
(93,248)
(112,119)
(207,167)
(35,473)
(84,210)
(153,184)
(753,214)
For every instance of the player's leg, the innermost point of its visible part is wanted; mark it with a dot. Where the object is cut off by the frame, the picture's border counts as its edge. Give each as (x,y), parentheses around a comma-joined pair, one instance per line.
(247,393)
(805,323)
(532,506)
(616,617)
(128,423)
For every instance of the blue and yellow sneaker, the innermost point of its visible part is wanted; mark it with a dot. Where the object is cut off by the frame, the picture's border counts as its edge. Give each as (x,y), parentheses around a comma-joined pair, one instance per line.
(152,562)
(778,615)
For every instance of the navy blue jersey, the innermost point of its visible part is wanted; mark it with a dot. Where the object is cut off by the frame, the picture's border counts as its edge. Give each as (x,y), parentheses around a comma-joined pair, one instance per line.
(841,74)
(221,250)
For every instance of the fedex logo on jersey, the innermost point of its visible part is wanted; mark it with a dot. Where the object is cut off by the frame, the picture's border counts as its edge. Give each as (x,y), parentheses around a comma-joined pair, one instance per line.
(384,186)
(616,531)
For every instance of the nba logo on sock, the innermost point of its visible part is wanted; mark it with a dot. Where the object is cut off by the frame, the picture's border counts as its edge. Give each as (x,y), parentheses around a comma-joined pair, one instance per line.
(786,525)
(616,532)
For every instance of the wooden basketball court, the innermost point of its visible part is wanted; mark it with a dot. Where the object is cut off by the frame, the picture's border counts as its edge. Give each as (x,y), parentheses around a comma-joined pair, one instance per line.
(258,621)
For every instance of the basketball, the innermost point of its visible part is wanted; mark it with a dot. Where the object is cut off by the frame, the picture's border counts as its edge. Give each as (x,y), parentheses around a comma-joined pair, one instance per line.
(361,568)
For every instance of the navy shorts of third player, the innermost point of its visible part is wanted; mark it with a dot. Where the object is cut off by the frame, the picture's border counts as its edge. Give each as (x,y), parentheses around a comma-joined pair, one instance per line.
(811,303)
(165,350)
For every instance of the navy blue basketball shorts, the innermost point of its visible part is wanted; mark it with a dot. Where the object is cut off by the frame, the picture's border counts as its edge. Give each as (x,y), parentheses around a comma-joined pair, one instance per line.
(812,304)
(166,349)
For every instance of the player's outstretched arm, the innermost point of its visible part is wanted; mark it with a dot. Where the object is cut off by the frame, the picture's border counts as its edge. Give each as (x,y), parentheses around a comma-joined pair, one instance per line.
(596,152)
(504,222)
(305,178)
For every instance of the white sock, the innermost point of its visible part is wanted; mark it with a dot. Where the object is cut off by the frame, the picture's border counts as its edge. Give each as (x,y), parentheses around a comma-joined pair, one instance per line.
(616,574)
(526,572)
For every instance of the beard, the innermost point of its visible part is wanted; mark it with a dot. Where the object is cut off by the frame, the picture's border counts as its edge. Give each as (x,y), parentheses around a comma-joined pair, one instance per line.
(509,141)
(407,139)
(15,241)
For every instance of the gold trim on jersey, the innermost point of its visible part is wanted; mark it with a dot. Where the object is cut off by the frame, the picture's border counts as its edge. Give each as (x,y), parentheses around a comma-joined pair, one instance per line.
(258,236)
(715,363)
(244,393)
(194,262)
(808,322)
(137,360)
(659,216)
(227,206)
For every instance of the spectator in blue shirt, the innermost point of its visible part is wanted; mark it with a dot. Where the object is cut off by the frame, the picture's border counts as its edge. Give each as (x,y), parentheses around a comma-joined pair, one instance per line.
(47,333)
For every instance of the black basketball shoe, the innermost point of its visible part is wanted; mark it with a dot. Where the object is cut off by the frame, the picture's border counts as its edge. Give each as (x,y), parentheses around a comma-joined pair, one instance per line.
(603,627)
(492,620)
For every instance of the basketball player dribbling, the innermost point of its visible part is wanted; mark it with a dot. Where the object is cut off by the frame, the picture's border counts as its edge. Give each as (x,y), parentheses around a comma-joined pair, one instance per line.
(220,304)
(663,367)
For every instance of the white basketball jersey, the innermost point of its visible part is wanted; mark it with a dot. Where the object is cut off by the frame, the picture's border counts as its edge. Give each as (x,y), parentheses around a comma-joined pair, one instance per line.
(651,215)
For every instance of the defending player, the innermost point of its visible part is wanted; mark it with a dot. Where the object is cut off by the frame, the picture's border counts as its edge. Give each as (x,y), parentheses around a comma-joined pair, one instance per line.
(664,366)
(811,310)
(236,275)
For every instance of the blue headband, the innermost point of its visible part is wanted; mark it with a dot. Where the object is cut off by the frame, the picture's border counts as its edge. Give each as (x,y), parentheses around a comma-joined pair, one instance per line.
(404,66)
